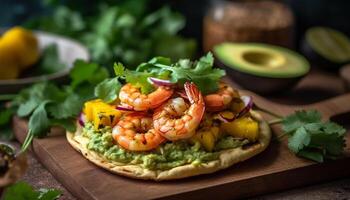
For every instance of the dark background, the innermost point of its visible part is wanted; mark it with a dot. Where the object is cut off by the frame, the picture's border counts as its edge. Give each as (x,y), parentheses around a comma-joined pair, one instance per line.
(335,13)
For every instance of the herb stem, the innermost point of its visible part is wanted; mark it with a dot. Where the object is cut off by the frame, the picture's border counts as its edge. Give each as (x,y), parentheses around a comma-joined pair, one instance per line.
(268,112)
(7,97)
(275,121)
(280,136)
(27,141)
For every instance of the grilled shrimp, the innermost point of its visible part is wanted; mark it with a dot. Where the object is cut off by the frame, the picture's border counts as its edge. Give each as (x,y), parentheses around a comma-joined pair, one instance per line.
(221,99)
(135,132)
(176,119)
(132,96)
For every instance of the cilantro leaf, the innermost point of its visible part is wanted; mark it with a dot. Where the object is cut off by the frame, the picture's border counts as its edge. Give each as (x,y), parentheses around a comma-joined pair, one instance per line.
(39,122)
(312,155)
(311,138)
(50,62)
(49,194)
(300,118)
(23,191)
(28,107)
(201,73)
(108,90)
(87,72)
(68,124)
(5,122)
(299,140)
(71,106)
(136,78)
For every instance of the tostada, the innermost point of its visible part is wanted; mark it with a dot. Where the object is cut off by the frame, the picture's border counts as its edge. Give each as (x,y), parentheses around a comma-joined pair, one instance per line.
(167,120)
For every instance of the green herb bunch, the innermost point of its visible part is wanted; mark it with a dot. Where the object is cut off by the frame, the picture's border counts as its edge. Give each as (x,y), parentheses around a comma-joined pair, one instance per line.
(127,30)
(310,137)
(46,104)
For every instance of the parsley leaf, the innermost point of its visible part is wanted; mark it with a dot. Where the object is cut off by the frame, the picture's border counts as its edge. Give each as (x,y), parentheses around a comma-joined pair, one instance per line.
(24,191)
(311,138)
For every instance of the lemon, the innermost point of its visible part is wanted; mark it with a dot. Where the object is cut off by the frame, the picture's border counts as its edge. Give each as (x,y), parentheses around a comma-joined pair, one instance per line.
(9,68)
(24,44)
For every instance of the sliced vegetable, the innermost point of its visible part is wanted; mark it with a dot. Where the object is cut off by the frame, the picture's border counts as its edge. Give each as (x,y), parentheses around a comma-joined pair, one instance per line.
(160,82)
(248,105)
(125,108)
(229,117)
(82,119)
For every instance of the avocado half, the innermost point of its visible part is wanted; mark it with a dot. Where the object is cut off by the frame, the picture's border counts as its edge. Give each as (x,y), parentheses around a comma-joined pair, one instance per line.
(261,68)
(326,47)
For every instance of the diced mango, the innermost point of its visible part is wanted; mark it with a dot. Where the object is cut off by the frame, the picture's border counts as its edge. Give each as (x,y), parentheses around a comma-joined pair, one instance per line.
(215,132)
(88,108)
(101,114)
(105,118)
(244,127)
(207,138)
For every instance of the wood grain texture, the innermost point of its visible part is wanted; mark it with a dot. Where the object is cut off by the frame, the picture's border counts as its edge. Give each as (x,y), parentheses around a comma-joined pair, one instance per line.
(273,170)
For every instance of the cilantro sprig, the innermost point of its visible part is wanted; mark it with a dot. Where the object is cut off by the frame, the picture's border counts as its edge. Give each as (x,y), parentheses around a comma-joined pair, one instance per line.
(310,137)
(23,191)
(201,72)
(46,104)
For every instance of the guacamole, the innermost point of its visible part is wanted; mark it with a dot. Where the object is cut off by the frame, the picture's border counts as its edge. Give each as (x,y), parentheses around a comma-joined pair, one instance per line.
(166,156)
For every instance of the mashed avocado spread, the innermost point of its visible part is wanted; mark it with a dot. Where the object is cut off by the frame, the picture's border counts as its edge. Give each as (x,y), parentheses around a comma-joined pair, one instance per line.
(166,156)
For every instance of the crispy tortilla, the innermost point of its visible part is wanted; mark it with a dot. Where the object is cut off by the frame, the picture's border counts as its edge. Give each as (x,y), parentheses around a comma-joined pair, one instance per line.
(226,159)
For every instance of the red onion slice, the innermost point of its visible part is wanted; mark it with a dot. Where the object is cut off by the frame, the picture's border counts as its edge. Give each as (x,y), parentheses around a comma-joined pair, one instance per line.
(225,119)
(125,108)
(160,82)
(82,119)
(248,105)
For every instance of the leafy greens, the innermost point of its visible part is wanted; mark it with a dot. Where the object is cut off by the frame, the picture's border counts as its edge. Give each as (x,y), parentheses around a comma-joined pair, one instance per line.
(24,191)
(127,31)
(201,72)
(311,138)
(47,105)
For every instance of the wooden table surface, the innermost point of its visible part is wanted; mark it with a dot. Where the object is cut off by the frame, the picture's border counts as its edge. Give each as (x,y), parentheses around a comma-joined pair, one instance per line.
(310,89)
(39,177)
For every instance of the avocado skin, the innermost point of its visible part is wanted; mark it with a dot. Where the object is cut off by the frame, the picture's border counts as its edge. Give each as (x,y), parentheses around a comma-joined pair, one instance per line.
(260,85)
(316,59)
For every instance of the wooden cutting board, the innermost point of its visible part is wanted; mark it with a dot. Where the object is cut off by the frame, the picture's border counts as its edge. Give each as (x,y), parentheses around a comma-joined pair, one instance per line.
(273,170)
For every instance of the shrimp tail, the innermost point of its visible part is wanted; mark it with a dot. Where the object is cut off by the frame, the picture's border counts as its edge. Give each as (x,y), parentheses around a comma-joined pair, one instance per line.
(193,94)
(195,97)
